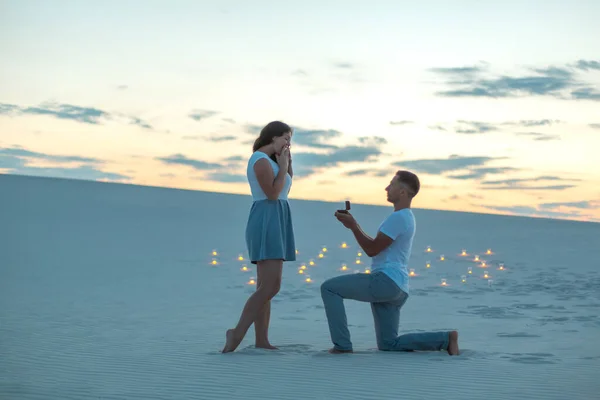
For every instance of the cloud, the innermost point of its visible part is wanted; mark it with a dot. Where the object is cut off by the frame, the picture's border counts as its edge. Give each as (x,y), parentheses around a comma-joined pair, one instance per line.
(524,183)
(535,122)
(315,138)
(87,115)
(475,127)
(595,126)
(370,172)
(372,140)
(587,65)
(344,65)
(480,173)
(17,161)
(539,136)
(529,211)
(218,139)
(306,163)
(584,205)
(436,166)
(557,82)
(180,159)
(401,123)
(198,115)
(225,177)
(122,87)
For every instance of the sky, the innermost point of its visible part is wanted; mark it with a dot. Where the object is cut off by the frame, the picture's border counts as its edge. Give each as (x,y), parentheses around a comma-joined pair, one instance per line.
(494,105)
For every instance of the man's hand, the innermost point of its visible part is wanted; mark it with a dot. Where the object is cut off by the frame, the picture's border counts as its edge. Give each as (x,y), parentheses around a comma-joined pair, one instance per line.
(346,219)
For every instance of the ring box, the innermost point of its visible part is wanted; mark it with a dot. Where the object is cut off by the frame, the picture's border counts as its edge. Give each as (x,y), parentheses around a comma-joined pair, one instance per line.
(347,208)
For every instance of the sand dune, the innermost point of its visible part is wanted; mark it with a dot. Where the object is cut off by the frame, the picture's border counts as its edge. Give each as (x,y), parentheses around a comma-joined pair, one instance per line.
(109,292)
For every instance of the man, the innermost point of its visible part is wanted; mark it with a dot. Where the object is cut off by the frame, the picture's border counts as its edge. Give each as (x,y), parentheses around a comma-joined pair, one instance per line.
(386,287)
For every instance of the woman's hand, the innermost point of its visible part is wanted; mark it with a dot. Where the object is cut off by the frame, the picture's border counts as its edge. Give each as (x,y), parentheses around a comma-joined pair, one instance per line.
(283,158)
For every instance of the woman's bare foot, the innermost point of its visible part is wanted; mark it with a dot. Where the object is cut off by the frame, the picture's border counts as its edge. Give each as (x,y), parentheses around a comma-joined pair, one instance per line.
(336,351)
(267,346)
(453,343)
(231,342)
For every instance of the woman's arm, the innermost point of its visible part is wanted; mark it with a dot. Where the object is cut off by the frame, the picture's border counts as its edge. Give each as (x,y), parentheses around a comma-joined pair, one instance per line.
(270,184)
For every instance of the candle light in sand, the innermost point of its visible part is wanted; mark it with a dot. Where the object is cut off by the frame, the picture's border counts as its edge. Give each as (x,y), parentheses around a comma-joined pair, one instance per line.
(428,264)
(358,260)
(343,245)
(464,253)
(486,275)
(252,281)
(300,271)
(215,253)
(501,267)
(245,268)
(483,264)
(303,266)
(489,251)
(214,261)
(476,258)
(367,271)
(308,280)
(324,249)
(321,255)
(463,279)
(344,267)
(442,257)
(359,254)
(240,257)
(470,270)
(412,272)
(428,250)
(311,262)
(444,283)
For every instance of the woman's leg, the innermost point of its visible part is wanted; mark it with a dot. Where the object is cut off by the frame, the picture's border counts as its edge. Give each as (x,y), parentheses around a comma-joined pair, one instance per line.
(270,271)
(261,323)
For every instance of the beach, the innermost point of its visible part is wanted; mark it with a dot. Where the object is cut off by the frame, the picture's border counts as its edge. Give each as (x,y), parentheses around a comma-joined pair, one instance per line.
(112,291)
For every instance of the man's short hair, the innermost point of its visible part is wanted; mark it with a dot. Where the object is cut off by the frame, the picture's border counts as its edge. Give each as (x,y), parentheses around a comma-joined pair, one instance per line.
(410,180)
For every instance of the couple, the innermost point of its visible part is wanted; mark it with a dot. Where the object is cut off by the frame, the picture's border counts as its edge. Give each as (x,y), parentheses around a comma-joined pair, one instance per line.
(270,241)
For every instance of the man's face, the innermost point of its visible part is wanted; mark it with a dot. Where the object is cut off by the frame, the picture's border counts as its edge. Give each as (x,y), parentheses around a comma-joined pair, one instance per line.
(396,190)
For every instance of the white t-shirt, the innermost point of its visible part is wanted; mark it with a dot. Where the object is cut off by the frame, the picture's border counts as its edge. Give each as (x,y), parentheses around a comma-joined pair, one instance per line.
(393,261)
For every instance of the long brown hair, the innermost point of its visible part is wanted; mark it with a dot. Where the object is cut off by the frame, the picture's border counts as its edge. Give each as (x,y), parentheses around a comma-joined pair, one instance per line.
(271,130)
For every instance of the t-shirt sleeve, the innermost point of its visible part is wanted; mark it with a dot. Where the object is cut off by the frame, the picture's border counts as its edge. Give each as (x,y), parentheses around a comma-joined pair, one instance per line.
(394,226)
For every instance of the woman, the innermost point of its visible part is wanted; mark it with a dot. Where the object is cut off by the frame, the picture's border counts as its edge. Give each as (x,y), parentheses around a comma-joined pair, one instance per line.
(269,231)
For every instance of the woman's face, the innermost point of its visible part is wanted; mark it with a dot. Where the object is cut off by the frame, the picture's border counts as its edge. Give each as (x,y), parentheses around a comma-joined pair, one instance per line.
(279,142)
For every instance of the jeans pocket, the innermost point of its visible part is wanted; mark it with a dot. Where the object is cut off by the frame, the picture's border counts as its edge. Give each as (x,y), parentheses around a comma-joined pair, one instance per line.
(382,288)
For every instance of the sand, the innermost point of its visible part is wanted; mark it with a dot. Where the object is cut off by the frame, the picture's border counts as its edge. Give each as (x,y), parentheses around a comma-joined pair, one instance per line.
(107,291)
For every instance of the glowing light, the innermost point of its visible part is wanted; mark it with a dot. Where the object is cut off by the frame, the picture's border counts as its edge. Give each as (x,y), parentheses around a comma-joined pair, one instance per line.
(358,260)
(303,266)
(470,270)
(297,251)
(359,254)
(367,271)
(428,264)
(344,267)
(489,251)
(442,257)
(308,280)
(252,281)
(214,262)
(486,275)
(412,272)
(463,279)
(476,258)
(483,264)
(501,267)
(344,245)
(311,262)
(300,271)
(444,283)
(214,253)
(463,253)
(321,255)
(240,258)
(245,268)
(428,249)
(324,249)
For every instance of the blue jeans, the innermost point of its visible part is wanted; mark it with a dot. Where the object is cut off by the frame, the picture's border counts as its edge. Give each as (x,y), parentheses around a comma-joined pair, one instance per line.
(386,300)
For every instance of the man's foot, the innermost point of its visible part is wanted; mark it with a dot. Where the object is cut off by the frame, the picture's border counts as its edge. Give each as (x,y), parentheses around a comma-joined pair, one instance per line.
(231,342)
(453,343)
(336,351)
(267,346)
